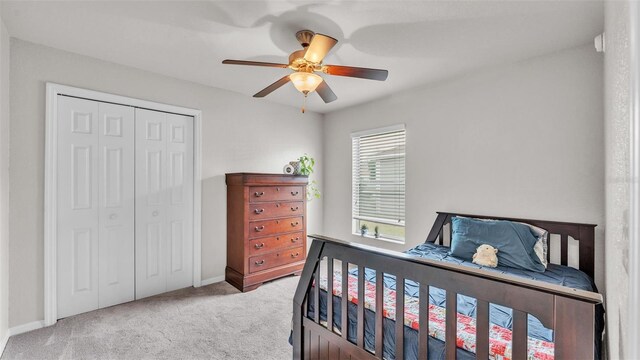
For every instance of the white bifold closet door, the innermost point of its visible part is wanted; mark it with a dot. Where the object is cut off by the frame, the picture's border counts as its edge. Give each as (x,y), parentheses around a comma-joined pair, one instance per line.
(95,206)
(164,202)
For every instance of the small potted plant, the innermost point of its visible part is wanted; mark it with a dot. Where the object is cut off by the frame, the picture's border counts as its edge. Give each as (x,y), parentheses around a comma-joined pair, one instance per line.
(363,229)
(304,166)
(376,232)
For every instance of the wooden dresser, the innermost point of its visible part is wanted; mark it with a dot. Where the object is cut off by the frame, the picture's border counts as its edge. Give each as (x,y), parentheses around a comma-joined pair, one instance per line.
(266,227)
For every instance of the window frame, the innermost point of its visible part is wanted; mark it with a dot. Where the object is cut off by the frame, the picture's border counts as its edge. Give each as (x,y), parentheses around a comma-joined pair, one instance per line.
(354,221)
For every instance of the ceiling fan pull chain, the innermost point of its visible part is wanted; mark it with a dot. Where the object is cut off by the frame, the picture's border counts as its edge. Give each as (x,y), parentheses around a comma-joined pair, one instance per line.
(304,103)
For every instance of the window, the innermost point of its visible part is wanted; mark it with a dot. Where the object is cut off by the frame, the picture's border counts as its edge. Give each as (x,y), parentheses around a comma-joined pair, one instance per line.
(378,182)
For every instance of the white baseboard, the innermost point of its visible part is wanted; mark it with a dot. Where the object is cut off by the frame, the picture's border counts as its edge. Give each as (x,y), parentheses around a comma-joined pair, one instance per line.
(3,343)
(21,329)
(213,280)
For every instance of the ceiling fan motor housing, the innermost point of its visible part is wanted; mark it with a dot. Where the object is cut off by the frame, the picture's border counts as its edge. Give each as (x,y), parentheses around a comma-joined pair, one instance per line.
(297,57)
(297,62)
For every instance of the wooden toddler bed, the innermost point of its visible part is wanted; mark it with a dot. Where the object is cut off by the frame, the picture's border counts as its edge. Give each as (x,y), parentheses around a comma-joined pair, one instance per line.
(570,314)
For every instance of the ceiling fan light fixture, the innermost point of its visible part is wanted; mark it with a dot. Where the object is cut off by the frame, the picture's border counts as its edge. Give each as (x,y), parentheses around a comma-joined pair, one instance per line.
(305,82)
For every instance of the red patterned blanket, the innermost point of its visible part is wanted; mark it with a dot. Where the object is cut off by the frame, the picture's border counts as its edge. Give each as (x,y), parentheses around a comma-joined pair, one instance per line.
(499,337)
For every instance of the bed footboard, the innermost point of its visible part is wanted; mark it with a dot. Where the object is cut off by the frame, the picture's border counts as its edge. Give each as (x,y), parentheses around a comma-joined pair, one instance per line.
(570,313)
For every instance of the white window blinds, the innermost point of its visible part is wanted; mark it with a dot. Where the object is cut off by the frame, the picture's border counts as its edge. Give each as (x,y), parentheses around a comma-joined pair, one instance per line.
(379,175)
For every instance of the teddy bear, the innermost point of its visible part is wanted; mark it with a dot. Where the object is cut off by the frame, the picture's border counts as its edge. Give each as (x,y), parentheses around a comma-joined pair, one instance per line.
(486,256)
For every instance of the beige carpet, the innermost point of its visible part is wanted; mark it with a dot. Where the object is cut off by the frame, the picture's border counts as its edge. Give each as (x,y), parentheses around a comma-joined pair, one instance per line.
(211,322)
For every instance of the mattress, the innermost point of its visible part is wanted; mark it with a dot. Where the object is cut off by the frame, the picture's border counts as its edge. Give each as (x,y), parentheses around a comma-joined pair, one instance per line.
(540,338)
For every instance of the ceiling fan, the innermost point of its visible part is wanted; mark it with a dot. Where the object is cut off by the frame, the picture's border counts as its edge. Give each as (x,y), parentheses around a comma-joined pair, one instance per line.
(306,62)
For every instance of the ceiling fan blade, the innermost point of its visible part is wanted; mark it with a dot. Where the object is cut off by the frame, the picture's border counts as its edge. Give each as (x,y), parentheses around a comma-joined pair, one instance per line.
(254,63)
(363,73)
(269,89)
(319,48)
(326,93)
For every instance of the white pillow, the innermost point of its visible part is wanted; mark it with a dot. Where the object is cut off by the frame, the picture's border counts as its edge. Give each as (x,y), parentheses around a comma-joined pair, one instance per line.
(541,245)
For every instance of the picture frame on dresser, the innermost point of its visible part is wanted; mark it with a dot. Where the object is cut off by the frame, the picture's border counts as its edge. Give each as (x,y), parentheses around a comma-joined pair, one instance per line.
(266,227)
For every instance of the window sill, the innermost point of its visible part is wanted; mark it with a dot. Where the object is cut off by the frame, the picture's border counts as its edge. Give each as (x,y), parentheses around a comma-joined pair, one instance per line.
(395,241)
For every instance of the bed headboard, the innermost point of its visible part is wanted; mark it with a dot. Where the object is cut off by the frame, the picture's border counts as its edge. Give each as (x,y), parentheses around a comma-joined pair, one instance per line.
(583,233)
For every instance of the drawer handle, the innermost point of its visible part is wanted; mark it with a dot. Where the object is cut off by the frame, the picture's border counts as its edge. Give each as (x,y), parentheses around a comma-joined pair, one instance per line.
(295,255)
(260,263)
(259,246)
(295,240)
(258,194)
(295,223)
(258,229)
(258,211)
(294,208)
(294,193)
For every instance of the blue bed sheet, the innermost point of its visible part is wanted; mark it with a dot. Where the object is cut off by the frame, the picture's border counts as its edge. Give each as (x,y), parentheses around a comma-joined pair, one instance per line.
(499,315)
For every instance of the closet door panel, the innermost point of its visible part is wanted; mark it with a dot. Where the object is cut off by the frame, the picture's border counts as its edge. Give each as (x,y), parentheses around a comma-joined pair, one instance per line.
(125,204)
(116,202)
(77,226)
(151,201)
(180,201)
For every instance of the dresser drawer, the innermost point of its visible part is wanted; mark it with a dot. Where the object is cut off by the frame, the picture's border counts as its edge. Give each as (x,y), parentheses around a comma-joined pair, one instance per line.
(275,226)
(268,244)
(275,193)
(267,261)
(275,209)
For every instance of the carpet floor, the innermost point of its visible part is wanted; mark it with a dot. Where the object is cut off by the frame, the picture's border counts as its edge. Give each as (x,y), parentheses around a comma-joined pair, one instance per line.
(211,322)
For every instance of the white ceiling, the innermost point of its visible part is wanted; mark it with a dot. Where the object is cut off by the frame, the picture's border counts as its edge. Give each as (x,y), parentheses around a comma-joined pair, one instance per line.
(418,42)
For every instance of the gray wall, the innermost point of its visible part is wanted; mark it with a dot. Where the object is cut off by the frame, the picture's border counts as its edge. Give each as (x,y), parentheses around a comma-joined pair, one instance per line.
(521,140)
(617,175)
(239,134)
(4,181)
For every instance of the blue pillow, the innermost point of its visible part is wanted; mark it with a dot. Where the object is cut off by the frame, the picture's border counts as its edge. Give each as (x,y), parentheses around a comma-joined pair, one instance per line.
(514,241)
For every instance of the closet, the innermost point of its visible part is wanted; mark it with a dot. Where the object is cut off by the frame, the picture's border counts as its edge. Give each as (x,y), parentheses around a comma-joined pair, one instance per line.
(164,202)
(124,211)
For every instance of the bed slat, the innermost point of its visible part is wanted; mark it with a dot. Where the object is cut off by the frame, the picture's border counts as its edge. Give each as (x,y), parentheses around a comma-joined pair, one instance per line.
(330,293)
(316,295)
(519,334)
(344,355)
(482,329)
(360,336)
(305,305)
(323,349)
(424,322)
(441,219)
(451,326)
(379,312)
(564,249)
(399,317)
(345,291)
(334,351)
(586,250)
(307,342)
(314,346)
